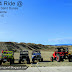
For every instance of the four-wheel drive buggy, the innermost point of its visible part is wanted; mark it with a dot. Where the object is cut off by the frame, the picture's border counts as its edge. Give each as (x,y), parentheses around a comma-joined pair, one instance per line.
(24,55)
(61,54)
(7,56)
(36,55)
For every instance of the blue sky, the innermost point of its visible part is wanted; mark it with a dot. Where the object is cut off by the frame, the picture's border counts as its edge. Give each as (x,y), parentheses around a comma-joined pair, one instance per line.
(38,21)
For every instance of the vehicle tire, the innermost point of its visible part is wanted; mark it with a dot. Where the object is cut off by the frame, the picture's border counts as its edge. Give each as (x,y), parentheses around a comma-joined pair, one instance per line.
(0,62)
(69,56)
(51,59)
(61,59)
(10,61)
(70,59)
(19,61)
(58,58)
(28,61)
(4,62)
(41,59)
(13,61)
(33,60)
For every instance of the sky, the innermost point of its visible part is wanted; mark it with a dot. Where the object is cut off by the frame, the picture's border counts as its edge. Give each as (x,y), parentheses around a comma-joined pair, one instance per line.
(45,22)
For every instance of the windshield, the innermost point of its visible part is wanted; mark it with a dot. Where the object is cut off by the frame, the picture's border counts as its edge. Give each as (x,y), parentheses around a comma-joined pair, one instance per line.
(36,51)
(60,50)
(7,52)
(23,52)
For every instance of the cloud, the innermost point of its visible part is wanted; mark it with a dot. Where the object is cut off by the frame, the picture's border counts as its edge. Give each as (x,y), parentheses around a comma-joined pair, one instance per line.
(61,41)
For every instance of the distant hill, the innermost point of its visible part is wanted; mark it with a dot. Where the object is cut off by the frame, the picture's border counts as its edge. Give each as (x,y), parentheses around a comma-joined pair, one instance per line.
(16,47)
(63,44)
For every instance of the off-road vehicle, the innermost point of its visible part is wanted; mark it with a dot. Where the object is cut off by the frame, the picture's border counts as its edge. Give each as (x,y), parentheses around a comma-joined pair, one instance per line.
(24,55)
(60,54)
(36,55)
(7,56)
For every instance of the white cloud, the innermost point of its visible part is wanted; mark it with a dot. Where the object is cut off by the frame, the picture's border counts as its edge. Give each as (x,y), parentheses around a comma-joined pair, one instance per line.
(61,41)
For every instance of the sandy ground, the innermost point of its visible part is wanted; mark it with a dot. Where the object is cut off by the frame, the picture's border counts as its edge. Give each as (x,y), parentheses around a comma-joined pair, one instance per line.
(45,66)
(43,69)
(45,54)
(46,60)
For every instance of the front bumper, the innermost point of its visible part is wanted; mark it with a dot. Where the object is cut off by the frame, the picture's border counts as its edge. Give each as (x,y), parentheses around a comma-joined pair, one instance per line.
(5,60)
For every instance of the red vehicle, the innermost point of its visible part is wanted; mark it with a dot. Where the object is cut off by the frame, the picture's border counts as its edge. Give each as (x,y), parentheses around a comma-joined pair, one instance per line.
(60,54)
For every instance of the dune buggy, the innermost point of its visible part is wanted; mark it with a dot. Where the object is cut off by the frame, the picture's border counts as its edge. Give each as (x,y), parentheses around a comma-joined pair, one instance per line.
(24,55)
(60,54)
(7,56)
(36,55)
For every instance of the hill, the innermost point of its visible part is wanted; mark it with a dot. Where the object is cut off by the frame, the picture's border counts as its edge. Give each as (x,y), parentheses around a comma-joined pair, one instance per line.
(27,46)
(63,44)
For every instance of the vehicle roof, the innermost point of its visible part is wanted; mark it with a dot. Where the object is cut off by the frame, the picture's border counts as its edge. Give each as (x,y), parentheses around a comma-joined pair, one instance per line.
(7,51)
(24,51)
(59,48)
